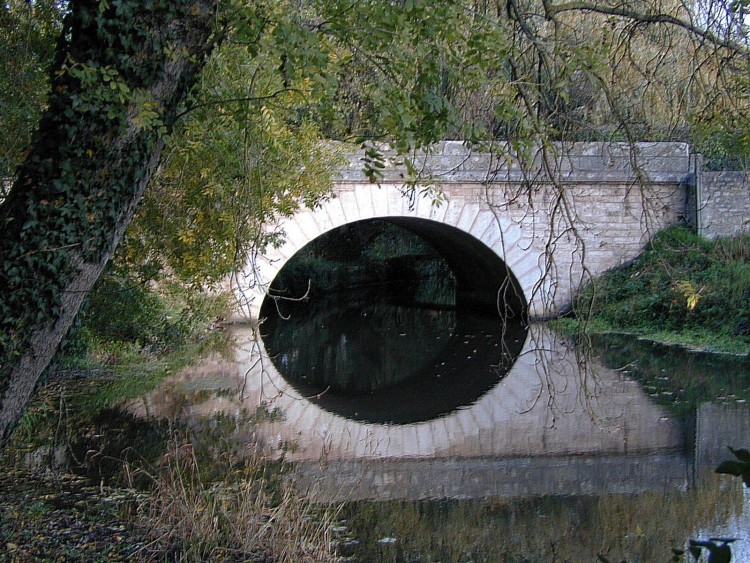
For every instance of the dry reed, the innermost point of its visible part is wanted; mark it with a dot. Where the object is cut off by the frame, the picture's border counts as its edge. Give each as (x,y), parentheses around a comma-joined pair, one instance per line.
(247,513)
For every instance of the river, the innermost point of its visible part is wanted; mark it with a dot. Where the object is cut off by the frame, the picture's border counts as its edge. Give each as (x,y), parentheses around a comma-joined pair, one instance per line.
(449,435)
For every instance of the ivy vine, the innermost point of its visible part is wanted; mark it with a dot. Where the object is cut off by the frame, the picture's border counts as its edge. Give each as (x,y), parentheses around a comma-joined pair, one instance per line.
(90,153)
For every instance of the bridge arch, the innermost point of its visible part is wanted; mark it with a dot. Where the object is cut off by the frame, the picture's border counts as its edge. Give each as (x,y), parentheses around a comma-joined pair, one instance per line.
(491,258)
(551,228)
(615,198)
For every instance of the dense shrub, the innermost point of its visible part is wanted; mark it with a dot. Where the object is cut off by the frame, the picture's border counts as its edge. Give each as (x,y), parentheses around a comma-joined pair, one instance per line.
(680,282)
(125,314)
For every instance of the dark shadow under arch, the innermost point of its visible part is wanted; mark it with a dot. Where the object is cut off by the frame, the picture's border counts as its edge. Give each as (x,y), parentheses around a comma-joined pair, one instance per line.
(483,278)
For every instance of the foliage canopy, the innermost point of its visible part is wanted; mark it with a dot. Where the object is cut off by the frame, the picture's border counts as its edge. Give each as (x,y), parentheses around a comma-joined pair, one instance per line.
(288,74)
(291,74)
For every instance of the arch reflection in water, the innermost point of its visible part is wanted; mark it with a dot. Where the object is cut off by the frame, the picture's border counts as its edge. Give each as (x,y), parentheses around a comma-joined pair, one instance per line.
(544,406)
(546,428)
(399,322)
(538,432)
(368,355)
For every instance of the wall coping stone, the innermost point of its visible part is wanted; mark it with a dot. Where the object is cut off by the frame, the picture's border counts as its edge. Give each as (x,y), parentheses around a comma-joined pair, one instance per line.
(604,162)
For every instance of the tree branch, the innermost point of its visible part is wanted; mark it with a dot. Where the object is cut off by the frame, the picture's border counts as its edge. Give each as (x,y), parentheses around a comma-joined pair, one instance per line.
(582,6)
(220,101)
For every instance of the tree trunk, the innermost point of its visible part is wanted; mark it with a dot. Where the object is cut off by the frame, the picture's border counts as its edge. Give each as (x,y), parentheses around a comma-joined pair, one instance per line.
(122,72)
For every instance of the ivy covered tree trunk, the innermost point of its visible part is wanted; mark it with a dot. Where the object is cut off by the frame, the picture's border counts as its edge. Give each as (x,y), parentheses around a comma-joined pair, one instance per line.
(122,73)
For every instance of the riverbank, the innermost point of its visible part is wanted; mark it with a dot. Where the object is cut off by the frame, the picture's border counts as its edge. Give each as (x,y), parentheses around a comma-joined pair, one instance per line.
(65,518)
(158,489)
(83,479)
(704,342)
(683,290)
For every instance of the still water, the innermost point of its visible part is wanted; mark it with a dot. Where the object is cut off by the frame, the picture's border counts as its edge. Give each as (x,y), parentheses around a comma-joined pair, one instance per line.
(446,435)
(369,355)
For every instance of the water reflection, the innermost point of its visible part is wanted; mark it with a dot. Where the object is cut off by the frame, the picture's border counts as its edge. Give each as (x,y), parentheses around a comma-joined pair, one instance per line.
(545,405)
(356,347)
(678,379)
(382,357)
(551,463)
(587,430)
(644,527)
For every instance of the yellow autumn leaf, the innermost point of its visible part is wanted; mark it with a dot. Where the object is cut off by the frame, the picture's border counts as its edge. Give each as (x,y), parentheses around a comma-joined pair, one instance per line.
(186,237)
(691,294)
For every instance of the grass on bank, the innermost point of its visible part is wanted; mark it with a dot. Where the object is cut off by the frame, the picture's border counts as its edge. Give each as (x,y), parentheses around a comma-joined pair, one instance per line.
(185,492)
(247,512)
(683,289)
(177,493)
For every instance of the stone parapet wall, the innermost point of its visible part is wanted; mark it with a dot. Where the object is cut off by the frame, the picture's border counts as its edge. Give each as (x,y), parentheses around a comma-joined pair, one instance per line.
(455,162)
(715,203)
(724,204)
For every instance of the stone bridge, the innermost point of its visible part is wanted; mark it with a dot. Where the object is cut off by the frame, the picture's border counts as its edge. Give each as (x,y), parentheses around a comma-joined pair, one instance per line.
(524,236)
(527,237)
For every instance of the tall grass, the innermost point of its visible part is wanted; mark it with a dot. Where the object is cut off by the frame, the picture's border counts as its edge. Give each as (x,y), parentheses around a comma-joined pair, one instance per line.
(248,513)
(202,491)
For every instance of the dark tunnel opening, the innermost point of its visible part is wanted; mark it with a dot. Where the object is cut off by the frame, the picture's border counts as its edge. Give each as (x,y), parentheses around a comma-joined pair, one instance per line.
(483,280)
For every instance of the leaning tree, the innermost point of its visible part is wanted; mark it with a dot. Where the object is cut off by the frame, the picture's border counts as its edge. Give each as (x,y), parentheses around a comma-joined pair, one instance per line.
(121,74)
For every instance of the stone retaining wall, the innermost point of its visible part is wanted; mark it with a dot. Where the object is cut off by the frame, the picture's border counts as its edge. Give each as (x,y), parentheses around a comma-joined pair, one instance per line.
(724,204)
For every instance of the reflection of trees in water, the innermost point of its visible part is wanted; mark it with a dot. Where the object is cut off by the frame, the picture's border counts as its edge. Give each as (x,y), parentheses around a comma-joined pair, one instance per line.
(382,357)
(357,348)
(641,527)
(676,378)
